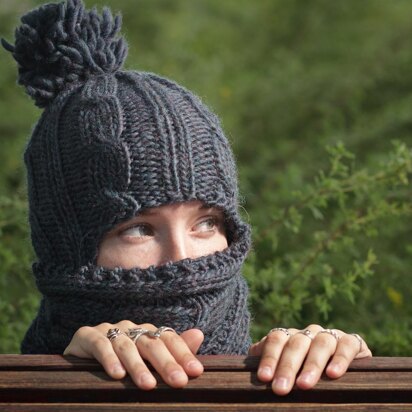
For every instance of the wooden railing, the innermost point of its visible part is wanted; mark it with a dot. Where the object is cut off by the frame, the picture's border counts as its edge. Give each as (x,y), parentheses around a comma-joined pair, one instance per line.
(229,383)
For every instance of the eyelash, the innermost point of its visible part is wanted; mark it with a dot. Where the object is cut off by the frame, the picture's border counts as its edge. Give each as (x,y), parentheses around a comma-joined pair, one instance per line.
(140,225)
(210,219)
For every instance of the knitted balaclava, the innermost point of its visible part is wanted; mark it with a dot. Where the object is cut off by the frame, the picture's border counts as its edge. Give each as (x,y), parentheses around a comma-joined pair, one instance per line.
(109,144)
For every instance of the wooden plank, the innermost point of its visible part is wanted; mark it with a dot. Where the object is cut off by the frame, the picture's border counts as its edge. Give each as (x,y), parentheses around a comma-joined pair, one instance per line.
(208,381)
(210,362)
(146,407)
(212,386)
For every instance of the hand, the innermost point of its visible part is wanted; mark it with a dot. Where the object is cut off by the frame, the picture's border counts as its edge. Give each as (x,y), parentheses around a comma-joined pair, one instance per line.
(171,355)
(282,356)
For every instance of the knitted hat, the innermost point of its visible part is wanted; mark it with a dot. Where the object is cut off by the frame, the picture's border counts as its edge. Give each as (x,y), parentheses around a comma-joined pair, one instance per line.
(110,142)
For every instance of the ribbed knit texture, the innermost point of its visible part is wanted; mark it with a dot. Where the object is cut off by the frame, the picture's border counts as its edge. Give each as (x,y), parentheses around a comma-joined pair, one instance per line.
(110,143)
(207,293)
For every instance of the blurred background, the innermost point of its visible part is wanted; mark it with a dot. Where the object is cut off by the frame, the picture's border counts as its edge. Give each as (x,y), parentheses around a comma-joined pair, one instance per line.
(316,98)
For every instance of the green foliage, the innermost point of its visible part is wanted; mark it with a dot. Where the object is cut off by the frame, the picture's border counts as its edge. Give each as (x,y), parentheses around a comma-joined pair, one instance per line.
(18,296)
(332,220)
(315,98)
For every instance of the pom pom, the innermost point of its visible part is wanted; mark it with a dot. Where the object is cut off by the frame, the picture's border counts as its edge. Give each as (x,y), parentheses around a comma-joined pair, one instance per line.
(60,43)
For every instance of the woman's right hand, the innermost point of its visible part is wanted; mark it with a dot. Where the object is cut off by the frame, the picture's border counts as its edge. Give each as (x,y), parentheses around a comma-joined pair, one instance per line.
(171,355)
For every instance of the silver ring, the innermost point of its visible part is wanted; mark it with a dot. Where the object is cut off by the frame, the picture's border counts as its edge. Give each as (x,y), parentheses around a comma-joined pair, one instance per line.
(135,333)
(284,330)
(331,332)
(159,331)
(114,333)
(307,333)
(359,338)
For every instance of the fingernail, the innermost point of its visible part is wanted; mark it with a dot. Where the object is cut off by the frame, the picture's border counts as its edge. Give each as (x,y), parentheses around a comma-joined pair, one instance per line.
(194,364)
(281,383)
(177,376)
(307,377)
(334,367)
(118,369)
(266,372)
(146,378)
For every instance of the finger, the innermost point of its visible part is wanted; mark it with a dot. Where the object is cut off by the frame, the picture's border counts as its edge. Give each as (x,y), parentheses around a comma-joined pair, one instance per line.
(155,351)
(182,354)
(90,342)
(347,350)
(271,347)
(291,360)
(129,356)
(193,338)
(322,348)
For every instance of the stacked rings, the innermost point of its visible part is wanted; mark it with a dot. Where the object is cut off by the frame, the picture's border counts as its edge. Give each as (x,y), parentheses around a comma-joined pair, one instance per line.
(159,331)
(114,333)
(307,333)
(135,333)
(284,330)
(331,332)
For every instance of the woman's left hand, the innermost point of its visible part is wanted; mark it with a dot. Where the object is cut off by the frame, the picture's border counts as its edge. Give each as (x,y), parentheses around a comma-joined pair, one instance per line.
(284,351)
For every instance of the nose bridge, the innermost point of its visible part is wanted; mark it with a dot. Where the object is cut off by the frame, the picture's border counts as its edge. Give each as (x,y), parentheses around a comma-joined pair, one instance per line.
(177,247)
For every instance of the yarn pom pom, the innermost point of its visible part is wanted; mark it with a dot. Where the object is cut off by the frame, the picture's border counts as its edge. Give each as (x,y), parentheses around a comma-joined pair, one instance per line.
(60,43)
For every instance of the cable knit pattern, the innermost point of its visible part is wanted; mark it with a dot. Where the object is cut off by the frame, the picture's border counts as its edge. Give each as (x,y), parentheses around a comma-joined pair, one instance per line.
(109,144)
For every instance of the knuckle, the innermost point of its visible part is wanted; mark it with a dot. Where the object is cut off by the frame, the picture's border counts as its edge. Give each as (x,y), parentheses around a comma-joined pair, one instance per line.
(286,368)
(171,366)
(275,338)
(187,357)
(100,343)
(83,331)
(324,340)
(123,345)
(341,358)
(349,341)
(296,342)
(148,344)
(104,326)
(126,324)
(173,339)
(313,364)
(149,326)
(269,360)
(108,359)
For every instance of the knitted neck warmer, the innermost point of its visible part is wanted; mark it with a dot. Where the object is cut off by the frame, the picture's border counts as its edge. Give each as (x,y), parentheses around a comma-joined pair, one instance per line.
(208,293)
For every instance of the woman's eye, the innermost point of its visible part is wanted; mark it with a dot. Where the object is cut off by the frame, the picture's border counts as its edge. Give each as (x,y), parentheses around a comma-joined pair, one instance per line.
(207,225)
(138,231)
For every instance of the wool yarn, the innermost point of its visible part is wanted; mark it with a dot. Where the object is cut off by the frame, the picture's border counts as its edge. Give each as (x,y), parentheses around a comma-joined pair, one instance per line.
(110,143)
(208,293)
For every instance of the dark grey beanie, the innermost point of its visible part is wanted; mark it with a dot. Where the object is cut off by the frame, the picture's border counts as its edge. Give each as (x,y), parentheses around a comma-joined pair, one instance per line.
(110,143)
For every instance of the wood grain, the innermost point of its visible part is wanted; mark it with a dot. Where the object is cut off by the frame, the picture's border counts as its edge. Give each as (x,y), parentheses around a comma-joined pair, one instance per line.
(229,383)
(210,362)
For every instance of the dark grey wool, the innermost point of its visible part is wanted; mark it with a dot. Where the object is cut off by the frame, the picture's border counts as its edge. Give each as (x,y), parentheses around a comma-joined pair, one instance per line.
(109,144)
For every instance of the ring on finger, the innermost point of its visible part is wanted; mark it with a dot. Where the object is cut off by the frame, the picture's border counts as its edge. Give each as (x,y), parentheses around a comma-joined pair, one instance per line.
(331,332)
(159,331)
(135,333)
(114,333)
(307,333)
(360,340)
(284,330)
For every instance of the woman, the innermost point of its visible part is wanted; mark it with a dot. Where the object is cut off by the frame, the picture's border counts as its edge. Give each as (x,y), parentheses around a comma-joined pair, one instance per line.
(133,207)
